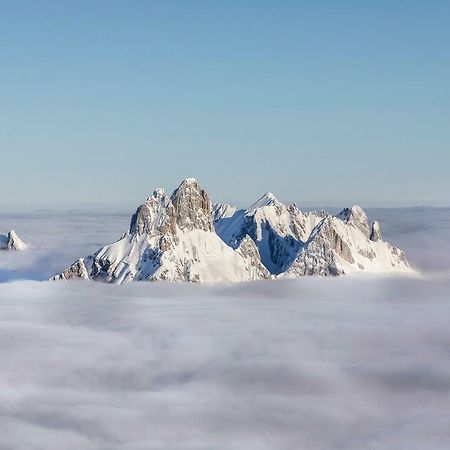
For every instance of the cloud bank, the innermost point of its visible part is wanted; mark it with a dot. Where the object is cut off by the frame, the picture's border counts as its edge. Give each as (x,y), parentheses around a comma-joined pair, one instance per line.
(338,363)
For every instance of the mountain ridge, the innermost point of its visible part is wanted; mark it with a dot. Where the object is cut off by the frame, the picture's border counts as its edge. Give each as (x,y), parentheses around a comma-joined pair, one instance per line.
(184,237)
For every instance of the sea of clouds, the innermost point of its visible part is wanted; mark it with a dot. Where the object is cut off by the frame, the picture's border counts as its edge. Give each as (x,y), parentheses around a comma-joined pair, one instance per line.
(338,363)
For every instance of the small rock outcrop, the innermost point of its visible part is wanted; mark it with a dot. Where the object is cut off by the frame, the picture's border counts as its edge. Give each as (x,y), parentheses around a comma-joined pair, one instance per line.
(375,234)
(76,270)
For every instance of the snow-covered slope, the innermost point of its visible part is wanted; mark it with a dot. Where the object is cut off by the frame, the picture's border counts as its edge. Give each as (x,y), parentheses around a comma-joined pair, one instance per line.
(11,241)
(172,238)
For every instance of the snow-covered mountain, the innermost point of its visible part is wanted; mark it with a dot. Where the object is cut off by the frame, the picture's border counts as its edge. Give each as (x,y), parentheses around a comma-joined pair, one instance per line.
(172,238)
(11,241)
(184,238)
(293,243)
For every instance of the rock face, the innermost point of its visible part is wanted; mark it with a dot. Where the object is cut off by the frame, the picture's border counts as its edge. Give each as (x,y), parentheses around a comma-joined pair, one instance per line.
(375,234)
(172,238)
(76,270)
(249,251)
(192,206)
(184,238)
(337,247)
(11,241)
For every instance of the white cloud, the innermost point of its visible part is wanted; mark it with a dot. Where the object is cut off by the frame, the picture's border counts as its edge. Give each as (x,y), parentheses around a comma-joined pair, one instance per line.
(338,363)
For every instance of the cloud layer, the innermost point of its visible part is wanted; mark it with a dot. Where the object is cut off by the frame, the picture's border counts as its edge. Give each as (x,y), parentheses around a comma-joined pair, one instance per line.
(338,363)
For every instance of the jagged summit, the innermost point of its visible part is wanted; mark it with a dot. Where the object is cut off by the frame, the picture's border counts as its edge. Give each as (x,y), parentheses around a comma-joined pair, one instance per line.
(268,199)
(356,216)
(192,207)
(182,237)
(222,211)
(158,193)
(153,217)
(189,180)
(11,241)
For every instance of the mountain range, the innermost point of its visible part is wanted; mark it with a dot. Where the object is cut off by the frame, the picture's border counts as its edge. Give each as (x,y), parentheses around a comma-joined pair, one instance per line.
(183,237)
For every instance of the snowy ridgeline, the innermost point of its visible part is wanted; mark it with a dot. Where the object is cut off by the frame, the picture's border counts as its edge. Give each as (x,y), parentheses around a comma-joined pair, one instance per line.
(183,237)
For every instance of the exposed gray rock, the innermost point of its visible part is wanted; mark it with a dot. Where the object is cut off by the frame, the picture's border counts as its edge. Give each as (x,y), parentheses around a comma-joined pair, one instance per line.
(77,270)
(192,206)
(249,251)
(318,254)
(375,234)
(156,216)
(298,224)
(367,253)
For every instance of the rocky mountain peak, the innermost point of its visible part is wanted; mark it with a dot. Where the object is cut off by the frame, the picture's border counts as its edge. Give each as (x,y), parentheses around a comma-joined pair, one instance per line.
(269,196)
(154,217)
(158,193)
(192,206)
(188,208)
(11,241)
(357,217)
(268,199)
(294,209)
(222,211)
(249,251)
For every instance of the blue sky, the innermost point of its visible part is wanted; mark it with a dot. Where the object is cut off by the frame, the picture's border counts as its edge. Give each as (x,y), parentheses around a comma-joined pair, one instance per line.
(319,102)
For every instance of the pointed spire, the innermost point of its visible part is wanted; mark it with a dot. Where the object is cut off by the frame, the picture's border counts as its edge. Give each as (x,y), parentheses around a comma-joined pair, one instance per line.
(375,234)
(192,206)
(268,199)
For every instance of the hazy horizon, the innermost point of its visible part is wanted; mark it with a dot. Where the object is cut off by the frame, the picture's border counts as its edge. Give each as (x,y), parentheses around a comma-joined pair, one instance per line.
(9,204)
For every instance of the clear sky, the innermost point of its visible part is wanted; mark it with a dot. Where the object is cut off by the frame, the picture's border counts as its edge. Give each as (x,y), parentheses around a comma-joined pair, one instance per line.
(335,102)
